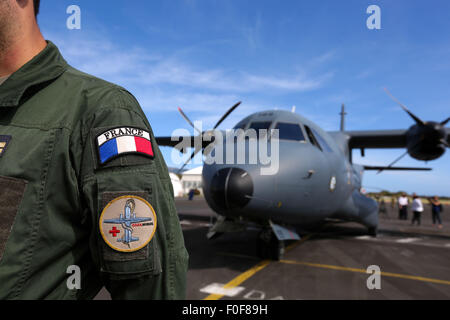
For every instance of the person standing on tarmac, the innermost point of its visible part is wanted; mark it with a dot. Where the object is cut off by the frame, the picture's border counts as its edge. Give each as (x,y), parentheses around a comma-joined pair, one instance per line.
(417,209)
(83,184)
(436,209)
(403,207)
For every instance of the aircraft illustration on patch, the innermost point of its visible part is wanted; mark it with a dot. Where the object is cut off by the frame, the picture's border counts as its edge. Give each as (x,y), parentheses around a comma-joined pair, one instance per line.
(126,220)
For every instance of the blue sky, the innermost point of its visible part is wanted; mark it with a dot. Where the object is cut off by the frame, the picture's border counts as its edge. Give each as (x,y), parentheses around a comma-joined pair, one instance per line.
(205,55)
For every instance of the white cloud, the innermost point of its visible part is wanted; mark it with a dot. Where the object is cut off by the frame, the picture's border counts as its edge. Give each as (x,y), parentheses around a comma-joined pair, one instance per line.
(138,67)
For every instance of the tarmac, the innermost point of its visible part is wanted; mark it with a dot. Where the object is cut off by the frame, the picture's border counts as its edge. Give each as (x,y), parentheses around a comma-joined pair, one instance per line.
(328,263)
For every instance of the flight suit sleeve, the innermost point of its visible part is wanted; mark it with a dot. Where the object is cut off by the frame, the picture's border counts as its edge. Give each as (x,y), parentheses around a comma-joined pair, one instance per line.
(136,240)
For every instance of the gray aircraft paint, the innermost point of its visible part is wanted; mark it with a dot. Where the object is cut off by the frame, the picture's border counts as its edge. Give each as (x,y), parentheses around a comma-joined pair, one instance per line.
(310,184)
(293,195)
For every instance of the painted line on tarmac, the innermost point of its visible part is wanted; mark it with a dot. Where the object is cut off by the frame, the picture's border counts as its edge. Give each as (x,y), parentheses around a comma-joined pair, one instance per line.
(240,279)
(356,270)
(219,289)
(415,241)
(407,240)
(252,271)
(365,238)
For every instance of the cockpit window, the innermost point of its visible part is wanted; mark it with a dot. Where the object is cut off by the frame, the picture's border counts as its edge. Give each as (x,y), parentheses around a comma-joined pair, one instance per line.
(263,125)
(322,141)
(290,131)
(312,138)
(317,140)
(241,125)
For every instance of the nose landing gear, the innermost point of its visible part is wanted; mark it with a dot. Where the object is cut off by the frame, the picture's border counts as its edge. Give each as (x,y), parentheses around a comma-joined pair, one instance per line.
(269,247)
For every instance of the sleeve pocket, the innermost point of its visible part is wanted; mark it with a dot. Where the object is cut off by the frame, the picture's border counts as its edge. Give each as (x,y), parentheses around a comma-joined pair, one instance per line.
(127,223)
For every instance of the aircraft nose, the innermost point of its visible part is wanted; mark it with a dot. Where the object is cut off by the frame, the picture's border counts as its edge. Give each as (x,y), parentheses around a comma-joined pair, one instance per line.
(231,188)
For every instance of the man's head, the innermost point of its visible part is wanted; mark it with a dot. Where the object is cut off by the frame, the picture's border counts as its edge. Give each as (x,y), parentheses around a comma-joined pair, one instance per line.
(8,22)
(20,37)
(14,13)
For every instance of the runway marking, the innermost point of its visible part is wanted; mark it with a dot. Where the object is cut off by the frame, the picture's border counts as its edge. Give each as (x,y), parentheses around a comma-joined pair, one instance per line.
(356,270)
(416,241)
(240,279)
(364,238)
(219,289)
(407,240)
(251,272)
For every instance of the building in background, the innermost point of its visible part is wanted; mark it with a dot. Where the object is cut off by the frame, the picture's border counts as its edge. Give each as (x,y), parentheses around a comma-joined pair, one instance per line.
(192,179)
(177,185)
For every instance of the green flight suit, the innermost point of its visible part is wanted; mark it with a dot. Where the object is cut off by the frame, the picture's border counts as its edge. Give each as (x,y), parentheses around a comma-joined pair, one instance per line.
(54,187)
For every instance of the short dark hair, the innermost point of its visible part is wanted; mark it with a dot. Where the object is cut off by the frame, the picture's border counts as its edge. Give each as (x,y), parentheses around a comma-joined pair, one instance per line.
(36,6)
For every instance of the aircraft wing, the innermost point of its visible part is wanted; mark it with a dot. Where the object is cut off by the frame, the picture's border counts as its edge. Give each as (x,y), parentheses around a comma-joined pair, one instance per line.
(378,139)
(381,168)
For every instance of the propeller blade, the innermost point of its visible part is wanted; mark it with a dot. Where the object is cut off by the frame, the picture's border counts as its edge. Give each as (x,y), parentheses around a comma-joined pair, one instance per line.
(227,114)
(392,164)
(443,123)
(190,158)
(416,119)
(186,163)
(445,143)
(188,120)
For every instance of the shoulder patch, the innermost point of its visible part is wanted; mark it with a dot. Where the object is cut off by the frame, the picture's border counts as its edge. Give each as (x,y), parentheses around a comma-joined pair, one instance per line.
(128,223)
(121,141)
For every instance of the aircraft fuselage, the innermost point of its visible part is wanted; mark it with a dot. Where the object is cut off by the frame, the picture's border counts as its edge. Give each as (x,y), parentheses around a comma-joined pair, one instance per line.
(314,179)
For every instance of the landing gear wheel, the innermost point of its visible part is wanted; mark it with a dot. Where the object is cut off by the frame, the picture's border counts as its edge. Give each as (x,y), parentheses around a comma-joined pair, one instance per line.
(269,247)
(373,231)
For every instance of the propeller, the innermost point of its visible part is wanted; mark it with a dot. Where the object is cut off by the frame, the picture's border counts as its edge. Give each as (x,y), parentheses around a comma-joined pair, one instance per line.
(436,130)
(416,119)
(227,114)
(202,134)
(444,123)
(189,121)
(392,163)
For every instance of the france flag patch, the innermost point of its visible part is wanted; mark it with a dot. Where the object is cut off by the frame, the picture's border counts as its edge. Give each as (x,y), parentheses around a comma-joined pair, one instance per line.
(121,141)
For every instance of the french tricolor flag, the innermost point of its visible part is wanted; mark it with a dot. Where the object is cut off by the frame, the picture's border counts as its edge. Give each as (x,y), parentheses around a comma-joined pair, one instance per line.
(120,141)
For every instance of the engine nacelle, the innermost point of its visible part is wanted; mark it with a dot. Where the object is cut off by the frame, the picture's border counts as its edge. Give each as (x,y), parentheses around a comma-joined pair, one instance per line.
(425,142)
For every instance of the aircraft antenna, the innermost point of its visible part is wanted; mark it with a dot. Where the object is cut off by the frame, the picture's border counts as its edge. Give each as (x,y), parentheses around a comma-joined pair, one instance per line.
(343,114)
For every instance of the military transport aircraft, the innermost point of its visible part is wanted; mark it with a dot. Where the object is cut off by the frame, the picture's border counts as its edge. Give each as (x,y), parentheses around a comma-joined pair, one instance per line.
(316,178)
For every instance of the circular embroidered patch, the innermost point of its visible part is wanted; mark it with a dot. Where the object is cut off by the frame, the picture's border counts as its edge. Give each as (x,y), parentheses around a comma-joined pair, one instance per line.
(128,223)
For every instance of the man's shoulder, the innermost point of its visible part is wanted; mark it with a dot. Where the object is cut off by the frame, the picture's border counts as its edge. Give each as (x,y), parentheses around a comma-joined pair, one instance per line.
(91,82)
(97,92)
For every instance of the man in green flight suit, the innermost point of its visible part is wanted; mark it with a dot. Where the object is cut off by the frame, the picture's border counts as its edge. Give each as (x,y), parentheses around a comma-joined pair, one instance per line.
(84,189)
